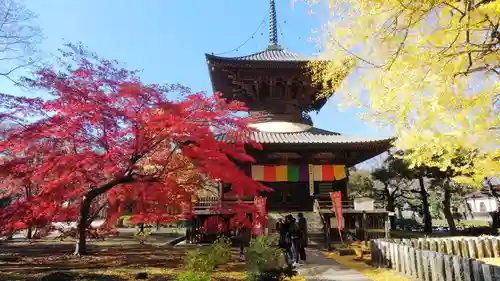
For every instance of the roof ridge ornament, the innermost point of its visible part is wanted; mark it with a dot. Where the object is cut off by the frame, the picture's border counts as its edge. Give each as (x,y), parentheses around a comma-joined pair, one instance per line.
(273,28)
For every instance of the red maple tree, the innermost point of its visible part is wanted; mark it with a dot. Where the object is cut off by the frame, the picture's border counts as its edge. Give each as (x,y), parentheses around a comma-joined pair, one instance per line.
(105,134)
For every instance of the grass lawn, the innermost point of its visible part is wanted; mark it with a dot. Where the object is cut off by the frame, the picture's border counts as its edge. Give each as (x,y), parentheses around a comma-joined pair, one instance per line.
(115,259)
(110,260)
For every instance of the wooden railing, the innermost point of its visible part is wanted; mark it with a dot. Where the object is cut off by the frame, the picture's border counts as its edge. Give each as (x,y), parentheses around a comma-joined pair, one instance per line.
(317,209)
(207,203)
(325,204)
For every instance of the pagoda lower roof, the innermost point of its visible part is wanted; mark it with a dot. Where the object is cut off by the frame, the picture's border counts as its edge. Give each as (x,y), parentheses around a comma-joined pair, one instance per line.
(313,136)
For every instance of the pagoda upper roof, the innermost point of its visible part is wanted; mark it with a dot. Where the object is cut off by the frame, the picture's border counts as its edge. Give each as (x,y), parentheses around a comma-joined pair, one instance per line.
(274,53)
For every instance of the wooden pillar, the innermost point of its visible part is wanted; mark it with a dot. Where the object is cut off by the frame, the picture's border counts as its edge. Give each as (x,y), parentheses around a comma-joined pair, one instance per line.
(358,227)
(195,230)
(327,233)
(221,190)
(188,232)
(364,226)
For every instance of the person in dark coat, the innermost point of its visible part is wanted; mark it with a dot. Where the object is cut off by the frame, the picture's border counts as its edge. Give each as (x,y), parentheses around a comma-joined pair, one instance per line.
(303,237)
(293,233)
(242,238)
(286,242)
(279,225)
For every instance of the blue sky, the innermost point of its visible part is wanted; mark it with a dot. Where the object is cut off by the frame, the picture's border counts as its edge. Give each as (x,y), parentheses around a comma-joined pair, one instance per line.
(167,39)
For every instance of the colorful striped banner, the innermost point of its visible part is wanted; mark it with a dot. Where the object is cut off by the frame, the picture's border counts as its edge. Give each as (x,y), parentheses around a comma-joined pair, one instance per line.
(339,172)
(280,173)
(258,172)
(302,173)
(329,172)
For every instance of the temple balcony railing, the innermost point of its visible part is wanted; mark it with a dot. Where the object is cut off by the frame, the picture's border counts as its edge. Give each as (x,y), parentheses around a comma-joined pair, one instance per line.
(349,206)
(215,205)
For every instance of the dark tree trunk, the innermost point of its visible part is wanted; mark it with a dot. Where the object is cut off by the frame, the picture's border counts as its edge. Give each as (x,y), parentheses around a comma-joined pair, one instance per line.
(447,208)
(29,234)
(81,244)
(426,213)
(390,197)
(83,220)
(10,236)
(391,208)
(495,216)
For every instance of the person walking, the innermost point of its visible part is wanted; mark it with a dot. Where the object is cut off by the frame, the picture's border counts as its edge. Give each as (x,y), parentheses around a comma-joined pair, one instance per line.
(303,242)
(294,236)
(279,225)
(242,238)
(285,242)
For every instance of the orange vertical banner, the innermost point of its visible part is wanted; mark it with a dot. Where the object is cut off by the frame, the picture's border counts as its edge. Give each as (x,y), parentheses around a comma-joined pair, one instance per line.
(259,216)
(337,208)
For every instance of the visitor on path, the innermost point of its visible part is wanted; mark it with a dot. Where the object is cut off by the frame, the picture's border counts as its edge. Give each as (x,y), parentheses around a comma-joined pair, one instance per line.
(303,242)
(294,233)
(285,242)
(242,238)
(279,225)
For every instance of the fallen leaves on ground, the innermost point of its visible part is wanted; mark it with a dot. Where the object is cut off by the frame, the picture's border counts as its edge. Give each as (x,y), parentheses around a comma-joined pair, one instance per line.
(375,274)
(492,261)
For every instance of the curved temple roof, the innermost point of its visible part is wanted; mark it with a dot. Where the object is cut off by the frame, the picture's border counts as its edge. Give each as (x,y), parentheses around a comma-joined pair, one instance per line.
(311,136)
(266,55)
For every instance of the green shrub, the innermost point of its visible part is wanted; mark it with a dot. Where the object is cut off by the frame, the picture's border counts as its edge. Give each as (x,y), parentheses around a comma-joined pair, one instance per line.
(142,236)
(191,276)
(219,253)
(119,222)
(199,261)
(262,260)
(277,274)
(124,221)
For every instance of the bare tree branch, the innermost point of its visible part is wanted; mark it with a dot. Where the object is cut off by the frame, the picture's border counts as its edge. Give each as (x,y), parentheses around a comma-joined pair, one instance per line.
(19,37)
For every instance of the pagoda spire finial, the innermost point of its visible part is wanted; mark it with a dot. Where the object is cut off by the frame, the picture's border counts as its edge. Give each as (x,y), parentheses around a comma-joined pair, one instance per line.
(273,27)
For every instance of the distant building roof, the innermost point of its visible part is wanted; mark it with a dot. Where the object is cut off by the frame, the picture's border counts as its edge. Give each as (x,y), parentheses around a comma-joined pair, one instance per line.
(478,194)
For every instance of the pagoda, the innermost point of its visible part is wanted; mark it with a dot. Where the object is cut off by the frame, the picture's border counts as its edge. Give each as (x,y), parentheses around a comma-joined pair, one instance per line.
(300,162)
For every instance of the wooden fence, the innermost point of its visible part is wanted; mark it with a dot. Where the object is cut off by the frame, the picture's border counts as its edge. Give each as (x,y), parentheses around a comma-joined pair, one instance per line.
(439,259)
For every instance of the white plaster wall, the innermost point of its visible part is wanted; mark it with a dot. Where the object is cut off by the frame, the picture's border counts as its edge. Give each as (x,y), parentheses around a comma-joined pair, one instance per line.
(490,204)
(280,127)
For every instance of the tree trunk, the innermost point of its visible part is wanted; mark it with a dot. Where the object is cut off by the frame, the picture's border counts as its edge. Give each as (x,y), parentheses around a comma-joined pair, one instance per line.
(29,234)
(495,215)
(83,220)
(391,208)
(447,208)
(81,244)
(426,213)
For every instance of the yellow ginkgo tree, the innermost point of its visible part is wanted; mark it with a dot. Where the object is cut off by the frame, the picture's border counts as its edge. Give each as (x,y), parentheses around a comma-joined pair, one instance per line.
(428,69)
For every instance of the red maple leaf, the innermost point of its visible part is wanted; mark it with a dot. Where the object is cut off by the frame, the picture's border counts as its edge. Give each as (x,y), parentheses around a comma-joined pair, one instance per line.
(106,140)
